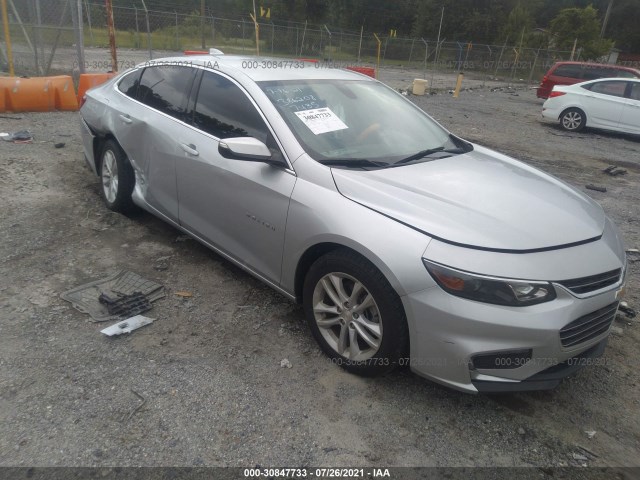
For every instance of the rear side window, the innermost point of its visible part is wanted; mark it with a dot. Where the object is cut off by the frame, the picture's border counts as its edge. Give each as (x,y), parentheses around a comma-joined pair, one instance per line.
(635,91)
(129,83)
(224,111)
(166,88)
(613,88)
(568,71)
(595,72)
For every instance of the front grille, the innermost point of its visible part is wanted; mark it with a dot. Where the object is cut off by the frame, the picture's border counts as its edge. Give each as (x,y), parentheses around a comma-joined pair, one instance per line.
(592,283)
(589,326)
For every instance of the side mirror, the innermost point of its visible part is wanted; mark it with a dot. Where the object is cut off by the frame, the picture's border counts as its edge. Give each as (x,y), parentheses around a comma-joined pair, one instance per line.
(244,148)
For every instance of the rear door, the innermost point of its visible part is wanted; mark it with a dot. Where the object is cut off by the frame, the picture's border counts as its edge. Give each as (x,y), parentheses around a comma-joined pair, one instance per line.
(164,89)
(630,119)
(604,103)
(238,206)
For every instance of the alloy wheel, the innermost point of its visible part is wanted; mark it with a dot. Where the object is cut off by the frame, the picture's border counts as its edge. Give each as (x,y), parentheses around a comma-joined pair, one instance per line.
(110,176)
(347,316)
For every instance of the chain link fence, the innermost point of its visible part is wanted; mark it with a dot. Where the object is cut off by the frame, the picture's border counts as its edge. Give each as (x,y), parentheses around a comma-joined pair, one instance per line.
(51,37)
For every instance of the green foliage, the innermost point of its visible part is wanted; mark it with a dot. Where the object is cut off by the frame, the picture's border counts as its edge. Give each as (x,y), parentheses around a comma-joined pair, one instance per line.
(580,24)
(519,25)
(624,23)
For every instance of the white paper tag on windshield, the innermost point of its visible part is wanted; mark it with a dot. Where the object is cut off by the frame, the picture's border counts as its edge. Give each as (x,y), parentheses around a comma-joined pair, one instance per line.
(321,120)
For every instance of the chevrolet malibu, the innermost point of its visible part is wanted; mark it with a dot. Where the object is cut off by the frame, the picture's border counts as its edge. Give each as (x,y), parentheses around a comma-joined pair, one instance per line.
(405,244)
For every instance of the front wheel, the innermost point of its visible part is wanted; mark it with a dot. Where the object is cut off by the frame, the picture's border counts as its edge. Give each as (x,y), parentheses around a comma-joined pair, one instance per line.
(117,178)
(354,313)
(573,119)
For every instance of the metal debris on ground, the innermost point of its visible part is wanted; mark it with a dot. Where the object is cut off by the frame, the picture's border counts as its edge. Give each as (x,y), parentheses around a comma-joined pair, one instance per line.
(590,433)
(142,403)
(633,255)
(627,310)
(125,305)
(22,136)
(614,171)
(127,326)
(596,188)
(86,298)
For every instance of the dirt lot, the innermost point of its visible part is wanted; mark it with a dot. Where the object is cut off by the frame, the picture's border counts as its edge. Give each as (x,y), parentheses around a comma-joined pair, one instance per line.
(209,367)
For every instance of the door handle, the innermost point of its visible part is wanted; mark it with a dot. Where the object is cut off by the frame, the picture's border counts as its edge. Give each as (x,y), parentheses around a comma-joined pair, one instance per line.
(126,118)
(190,149)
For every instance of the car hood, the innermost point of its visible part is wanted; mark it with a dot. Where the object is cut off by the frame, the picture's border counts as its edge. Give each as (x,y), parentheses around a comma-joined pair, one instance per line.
(480,199)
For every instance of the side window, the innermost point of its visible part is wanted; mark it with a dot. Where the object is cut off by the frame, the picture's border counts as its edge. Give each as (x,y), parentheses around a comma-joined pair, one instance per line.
(593,73)
(613,88)
(166,88)
(129,83)
(568,71)
(635,91)
(224,111)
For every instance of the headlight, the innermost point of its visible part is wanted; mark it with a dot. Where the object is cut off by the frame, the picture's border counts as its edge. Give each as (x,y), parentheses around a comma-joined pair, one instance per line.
(499,291)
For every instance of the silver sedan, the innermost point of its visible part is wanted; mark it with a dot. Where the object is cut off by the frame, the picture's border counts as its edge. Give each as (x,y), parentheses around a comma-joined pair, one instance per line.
(406,244)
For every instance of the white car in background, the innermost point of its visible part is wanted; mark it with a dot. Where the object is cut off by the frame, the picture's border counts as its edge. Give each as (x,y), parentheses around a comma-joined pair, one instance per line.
(608,103)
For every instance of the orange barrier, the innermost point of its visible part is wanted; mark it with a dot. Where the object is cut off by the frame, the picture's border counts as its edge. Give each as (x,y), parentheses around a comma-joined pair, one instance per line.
(371,72)
(195,52)
(90,80)
(42,94)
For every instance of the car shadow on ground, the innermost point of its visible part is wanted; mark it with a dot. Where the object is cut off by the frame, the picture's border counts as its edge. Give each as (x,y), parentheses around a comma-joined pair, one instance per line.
(554,128)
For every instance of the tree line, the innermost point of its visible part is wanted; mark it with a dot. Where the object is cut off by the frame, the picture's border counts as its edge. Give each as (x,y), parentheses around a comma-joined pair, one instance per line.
(534,23)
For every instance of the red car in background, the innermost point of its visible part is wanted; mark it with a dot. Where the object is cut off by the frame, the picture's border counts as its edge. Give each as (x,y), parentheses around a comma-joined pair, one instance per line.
(568,73)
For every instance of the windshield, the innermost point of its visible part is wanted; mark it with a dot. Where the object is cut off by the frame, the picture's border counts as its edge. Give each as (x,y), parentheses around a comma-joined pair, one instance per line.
(359,124)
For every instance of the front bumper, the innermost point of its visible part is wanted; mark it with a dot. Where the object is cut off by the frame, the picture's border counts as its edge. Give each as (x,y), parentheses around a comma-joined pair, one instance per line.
(546,379)
(448,333)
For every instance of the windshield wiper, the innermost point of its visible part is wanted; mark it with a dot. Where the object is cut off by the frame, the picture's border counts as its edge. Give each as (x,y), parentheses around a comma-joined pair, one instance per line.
(419,155)
(352,162)
(426,153)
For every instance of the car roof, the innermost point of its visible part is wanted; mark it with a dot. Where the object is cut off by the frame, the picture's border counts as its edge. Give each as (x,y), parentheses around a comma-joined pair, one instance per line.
(600,65)
(262,68)
(607,79)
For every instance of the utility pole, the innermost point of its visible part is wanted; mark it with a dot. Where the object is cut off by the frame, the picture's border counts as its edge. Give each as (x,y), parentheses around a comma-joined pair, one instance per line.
(202,23)
(606,19)
(257,27)
(112,36)
(76,16)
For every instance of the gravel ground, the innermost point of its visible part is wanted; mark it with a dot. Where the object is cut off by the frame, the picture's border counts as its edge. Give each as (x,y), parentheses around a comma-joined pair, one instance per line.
(209,369)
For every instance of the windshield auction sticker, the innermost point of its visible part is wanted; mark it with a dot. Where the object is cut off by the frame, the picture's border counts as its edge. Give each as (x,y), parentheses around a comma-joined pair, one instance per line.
(321,120)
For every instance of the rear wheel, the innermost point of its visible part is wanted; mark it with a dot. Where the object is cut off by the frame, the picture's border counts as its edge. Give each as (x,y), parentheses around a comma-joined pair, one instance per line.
(354,313)
(117,178)
(573,119)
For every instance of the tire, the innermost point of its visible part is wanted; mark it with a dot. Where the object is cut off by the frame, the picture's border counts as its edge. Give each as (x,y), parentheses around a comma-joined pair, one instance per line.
(573,119)
(360,324)
(116,177)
